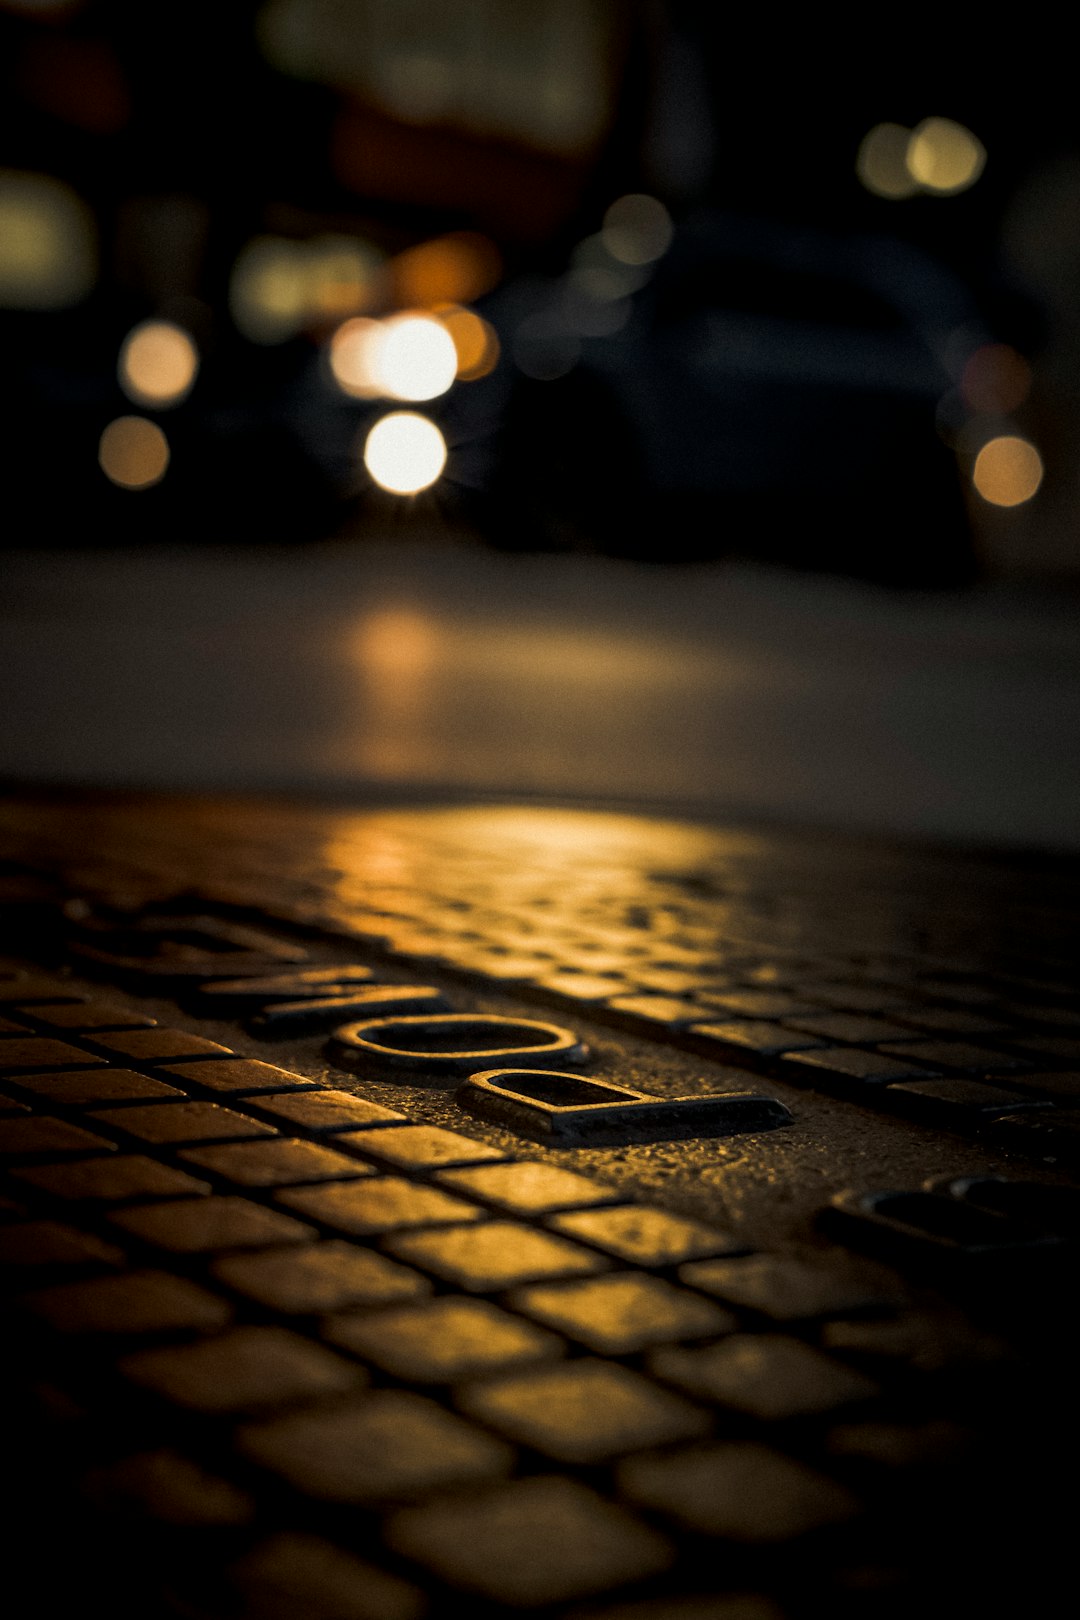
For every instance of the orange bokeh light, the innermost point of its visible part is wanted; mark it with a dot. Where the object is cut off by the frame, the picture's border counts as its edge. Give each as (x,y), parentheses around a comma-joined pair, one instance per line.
(1007,471)
(474,339)
(453,269)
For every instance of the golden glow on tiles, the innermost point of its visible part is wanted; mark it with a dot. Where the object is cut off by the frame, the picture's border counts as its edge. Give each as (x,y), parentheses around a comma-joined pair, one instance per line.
(1007,471)
(158,364)
(133,452)
(405,453)
(48,246)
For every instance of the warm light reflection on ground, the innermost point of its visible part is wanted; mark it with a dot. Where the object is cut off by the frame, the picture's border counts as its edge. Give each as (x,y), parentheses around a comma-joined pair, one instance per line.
(396,643)
(1007,471)
(397,653)
(413,877)
(415,665)
(158,364)
(422,850)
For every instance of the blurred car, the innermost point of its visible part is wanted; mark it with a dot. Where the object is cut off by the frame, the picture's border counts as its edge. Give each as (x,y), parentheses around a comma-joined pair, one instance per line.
(766,391)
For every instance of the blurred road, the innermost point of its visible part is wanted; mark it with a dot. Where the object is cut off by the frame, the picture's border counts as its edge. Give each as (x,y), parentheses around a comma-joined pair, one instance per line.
(742,691)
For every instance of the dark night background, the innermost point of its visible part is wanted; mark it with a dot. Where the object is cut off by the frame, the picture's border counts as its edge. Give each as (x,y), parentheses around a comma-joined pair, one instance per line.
(185,141)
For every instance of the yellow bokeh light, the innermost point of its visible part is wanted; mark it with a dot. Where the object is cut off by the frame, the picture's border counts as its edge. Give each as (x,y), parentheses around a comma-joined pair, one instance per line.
(1007,471)
(944,157)
(405,452)
(881,162)
(352,356)
(413,357)
(637,229)
(268,289)
(473,338)
(158,364)
(341,274)
(48,245)
(279,287)
(133,452)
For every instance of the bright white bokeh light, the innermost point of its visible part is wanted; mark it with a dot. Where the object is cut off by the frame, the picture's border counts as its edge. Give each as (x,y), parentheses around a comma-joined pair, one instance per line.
(413,357)
(158,364)
(405,452)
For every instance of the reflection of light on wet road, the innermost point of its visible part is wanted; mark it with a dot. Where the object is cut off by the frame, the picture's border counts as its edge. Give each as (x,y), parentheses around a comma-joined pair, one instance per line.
(453,669)
(538,702)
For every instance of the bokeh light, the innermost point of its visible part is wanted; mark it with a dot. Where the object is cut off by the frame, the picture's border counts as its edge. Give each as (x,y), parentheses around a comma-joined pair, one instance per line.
(453,269)
(413,357)
(158,364)
(133,452)
(279,287)
(1007,471)
(351,356)
(944,157)
(48,243)
(341,276)
(637,229)
(881,162)
(405,452)
(268,289)
(474,339)
(995,380)
(595,268)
